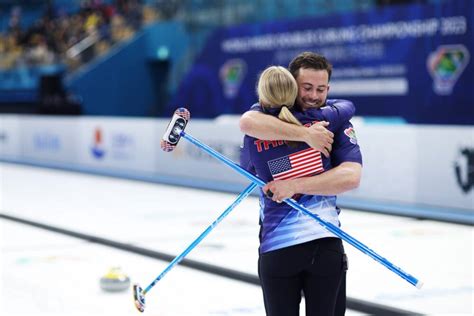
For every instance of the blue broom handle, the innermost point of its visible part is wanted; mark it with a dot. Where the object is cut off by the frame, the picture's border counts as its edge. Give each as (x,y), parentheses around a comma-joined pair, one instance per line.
(329,226)
(178,259)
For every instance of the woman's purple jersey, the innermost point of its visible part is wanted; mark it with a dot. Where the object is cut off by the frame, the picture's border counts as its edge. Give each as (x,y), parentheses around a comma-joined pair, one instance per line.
(283,226)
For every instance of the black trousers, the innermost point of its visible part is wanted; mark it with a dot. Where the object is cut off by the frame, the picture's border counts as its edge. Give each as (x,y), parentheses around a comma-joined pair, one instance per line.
(316,269)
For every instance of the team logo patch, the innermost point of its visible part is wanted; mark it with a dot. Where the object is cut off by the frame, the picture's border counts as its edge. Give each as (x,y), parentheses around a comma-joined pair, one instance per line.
(350,132)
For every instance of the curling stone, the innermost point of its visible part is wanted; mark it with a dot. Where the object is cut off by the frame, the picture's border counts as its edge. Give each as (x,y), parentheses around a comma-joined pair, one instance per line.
(114,280)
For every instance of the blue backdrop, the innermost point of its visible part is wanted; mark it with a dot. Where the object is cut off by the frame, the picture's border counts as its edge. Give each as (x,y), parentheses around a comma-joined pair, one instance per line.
(411,62)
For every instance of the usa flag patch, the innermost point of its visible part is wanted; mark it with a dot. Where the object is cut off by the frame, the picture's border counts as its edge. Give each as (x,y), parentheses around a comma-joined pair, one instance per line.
(300,164)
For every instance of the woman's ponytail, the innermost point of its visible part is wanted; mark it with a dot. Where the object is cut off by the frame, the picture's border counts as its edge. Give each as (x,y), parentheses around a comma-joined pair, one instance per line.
(286,116)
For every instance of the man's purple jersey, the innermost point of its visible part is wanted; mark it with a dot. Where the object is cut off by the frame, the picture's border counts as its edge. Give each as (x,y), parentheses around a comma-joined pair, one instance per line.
(282,226)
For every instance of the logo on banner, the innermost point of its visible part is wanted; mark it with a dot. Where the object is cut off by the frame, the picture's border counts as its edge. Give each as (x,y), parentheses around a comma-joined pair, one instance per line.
(122,146)
(350,132)
(446,65)
(46,142)
(231,74)
(3,137)
(464,169)
(97,148)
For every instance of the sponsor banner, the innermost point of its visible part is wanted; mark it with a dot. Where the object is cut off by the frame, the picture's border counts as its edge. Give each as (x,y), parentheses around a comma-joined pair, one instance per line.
(49,139)
(114,143)
(418,164)
(445,166)
(9,137)
(403,163)
(389,154)
(411,61)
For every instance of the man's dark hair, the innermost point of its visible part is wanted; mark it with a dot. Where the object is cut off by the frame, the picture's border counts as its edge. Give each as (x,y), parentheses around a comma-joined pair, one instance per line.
(309,60)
